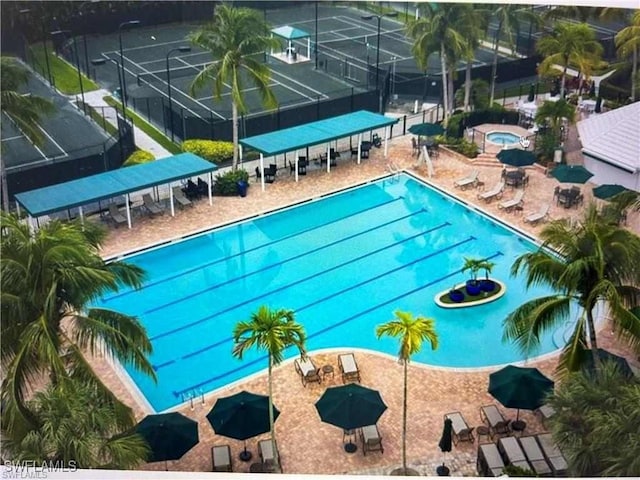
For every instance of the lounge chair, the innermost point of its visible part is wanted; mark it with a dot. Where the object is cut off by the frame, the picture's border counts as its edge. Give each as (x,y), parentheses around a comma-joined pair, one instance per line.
(515,202)
(552,454)
(307,371)
(512,453)
(544,413)
(461,430)
(221,458)
(267,456)
(497,424)
(371,440)
(348,368)
(495,192)
(471,179)
(535,456)
(489,462)
(535,217)
(117,217)
(153,207)
(178,195)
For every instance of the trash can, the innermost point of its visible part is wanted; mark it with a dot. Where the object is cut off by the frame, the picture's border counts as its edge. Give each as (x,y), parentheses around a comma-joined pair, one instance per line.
(242,188)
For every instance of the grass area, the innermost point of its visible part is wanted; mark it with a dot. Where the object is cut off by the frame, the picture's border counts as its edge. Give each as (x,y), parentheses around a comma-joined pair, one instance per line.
(147,128)
(65,75)
(100,120)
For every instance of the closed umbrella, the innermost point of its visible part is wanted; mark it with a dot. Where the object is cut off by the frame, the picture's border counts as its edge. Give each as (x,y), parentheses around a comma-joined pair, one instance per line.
(169,435)
(426,129)
(445,445)
(349,407)
(516,157)
(571,174)
(241,416)
(606,356)
(519,387)
(605,192)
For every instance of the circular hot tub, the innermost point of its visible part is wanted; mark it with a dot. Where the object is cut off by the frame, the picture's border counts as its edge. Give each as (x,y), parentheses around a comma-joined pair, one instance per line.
(503,138)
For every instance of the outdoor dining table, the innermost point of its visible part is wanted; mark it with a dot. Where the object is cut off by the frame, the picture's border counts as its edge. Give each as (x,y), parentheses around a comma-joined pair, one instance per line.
(515,178)
(568,197)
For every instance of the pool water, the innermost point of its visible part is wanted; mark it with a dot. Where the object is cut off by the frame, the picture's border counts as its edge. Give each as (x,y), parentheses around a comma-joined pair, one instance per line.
(343,263)
(503,138)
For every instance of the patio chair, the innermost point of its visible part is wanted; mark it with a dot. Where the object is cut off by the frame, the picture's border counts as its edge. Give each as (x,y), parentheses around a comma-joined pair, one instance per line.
(371,439)
(348,368)
(552,454)
(267,455)
(191,191)
(489,463)
(471,179)
(178,195)
(203,188)
(535,456)
(495,192)
(497,424)
(535,217)
(117,217)
(512,203)
(512,453)
(221,458)
(307,371)
(461,430)
(153,207)
(544,413)
(270,173)
(333,156)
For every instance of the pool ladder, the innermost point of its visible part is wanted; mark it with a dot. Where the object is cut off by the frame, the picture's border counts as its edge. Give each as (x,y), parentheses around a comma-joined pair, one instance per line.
(192,395)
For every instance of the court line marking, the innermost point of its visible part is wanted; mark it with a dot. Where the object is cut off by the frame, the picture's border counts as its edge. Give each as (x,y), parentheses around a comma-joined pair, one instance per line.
(62,150)
(13,138)
(11,121)
(301,84)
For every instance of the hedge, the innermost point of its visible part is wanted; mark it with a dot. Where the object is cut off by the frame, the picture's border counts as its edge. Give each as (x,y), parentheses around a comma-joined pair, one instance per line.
(215,151)
(138,157)
(225,184)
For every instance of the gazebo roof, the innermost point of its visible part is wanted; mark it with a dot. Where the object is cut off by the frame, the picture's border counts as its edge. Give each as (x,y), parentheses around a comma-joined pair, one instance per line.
(290,33)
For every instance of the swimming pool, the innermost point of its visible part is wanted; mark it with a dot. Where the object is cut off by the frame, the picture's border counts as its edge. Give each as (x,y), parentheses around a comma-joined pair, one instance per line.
(344,263)
(503,138)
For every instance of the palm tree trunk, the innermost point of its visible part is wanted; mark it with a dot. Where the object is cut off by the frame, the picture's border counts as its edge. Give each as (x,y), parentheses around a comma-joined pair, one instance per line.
(634,73)
(271,421)
(592,337)
(404,420)
(234,119)
(494,67)
(467,86)
(445,96)
(3,185)
(564,77)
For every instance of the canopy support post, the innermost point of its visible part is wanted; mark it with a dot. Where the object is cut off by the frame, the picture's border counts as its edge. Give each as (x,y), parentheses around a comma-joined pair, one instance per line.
(262,170)
(296,164)
(359,147)
(386,141)
(81,213)
(210,187)
(126,201)
(173,208)
(328,157)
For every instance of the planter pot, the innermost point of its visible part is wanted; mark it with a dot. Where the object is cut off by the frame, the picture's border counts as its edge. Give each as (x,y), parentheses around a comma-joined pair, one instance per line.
(456,295)
(442,471)
(487,285)
(473,288)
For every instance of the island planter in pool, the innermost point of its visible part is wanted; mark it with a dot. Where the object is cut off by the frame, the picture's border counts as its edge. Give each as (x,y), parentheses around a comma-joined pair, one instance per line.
(474,286)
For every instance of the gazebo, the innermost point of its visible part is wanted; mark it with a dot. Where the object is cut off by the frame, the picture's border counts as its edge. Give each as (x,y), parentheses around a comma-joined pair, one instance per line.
(290,55)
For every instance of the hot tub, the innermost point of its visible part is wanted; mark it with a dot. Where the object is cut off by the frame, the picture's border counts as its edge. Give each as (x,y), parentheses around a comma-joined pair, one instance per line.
(503,138)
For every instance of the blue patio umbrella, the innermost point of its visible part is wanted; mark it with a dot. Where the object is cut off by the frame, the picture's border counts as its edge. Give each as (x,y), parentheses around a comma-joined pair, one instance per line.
(571,174)
(605,192)
(516,157)
(426,129)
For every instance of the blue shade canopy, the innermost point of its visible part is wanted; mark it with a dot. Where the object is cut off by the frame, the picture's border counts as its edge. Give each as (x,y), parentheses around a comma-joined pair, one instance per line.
(290,33)
(315,133)
(83,191)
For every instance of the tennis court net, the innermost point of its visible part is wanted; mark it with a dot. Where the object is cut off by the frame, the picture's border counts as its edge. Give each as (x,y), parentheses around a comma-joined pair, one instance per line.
(359,43)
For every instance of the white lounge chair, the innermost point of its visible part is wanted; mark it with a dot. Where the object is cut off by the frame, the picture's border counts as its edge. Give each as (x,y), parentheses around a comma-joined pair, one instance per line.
(471,179)
(496,192)
(179,196)
(348,368)
(117,217)
(307,370)
(153,207)
(535,217)
(514,202)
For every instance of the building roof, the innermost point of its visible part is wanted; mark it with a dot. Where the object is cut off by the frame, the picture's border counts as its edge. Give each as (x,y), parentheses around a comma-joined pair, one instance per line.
(93,188)
(290,33)
(613,137)
(315,133)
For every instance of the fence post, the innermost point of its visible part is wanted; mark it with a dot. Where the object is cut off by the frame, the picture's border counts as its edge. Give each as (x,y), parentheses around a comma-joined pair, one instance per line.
(404,125)
(211,123)
(184,124)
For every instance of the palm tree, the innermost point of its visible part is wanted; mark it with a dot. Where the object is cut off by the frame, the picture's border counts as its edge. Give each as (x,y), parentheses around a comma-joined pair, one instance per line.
(411,331)
(592,261)
(75,435)
(272,331)
(236,39)
(435,31)
(25,111)
(567,44)
(596,422)
(552,114)
(509,17)
(48,279)
(628,44)
(471,23)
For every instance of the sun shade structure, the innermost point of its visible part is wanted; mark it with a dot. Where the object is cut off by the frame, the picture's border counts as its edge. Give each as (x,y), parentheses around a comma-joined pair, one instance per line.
(518,387)
(426,129)
(317,133)
(289,34)
(123,181)
(571,174)
(604,192)
(169,435)
(516,157)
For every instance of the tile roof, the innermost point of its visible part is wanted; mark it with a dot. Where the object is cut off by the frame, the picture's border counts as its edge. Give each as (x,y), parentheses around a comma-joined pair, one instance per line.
(613,136)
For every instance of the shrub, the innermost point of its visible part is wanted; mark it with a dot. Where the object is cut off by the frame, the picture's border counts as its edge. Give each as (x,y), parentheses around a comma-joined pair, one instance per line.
(138,157)
(460,145)
(215,151)
(225,184)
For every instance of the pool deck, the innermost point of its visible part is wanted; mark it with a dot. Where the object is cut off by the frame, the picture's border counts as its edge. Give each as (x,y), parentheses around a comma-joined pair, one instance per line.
(306,444)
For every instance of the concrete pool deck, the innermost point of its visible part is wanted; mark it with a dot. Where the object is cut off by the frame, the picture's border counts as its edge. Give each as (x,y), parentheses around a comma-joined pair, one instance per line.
(306,444)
